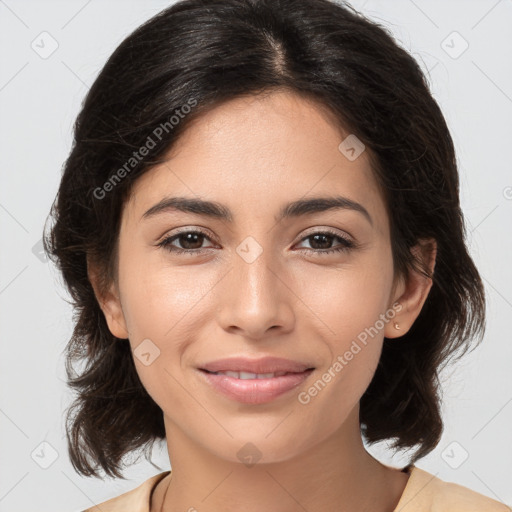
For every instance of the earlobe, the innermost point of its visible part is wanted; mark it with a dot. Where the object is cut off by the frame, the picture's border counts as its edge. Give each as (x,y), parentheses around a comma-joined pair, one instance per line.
(413,292)
(110,303)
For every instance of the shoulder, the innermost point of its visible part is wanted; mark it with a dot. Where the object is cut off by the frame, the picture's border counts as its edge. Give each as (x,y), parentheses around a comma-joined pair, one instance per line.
(136,500)
(425,492)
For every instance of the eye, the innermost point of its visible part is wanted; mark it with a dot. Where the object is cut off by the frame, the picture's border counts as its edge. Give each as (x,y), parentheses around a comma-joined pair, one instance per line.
(191,242)
(321,242)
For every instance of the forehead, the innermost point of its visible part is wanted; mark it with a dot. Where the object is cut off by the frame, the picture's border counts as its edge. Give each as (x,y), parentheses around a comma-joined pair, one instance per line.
(257,153)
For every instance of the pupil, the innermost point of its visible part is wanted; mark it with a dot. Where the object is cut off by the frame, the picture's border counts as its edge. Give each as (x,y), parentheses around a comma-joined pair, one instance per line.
(191,239)
(325,237)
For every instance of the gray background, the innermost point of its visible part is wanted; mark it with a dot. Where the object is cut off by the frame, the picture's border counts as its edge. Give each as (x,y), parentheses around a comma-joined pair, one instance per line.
(39,100)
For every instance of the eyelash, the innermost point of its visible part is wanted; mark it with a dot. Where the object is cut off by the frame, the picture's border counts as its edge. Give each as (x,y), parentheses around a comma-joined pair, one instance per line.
(345,245)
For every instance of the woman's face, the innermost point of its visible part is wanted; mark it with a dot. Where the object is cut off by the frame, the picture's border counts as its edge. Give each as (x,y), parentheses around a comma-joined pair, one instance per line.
(256,282)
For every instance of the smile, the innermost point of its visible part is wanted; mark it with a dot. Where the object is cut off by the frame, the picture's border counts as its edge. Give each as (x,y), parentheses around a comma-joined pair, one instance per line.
(254,388)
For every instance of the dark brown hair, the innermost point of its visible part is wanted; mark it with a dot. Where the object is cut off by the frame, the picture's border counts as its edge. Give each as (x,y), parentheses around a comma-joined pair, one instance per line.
(190,58)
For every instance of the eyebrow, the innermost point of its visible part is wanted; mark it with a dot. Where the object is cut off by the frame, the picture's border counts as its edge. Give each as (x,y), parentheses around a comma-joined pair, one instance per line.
(291,210)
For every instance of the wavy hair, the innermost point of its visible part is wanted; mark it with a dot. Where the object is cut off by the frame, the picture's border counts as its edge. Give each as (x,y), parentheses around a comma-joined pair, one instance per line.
(201,53)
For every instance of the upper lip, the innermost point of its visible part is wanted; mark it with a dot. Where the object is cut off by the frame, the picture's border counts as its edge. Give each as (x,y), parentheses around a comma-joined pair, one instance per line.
(261,365)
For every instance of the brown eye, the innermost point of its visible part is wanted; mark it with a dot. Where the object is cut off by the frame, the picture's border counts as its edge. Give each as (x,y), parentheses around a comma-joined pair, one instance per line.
(189,242)
(322,242)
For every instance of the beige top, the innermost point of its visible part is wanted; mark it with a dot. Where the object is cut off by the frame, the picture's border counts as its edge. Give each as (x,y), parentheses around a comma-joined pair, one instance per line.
(424,492)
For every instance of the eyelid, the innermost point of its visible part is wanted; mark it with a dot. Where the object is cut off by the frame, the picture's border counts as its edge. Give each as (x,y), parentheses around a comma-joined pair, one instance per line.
(345,243)
(187,229)
(309,232)
(327,230)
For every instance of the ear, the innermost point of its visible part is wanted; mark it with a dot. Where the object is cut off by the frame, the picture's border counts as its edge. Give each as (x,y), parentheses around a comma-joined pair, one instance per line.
(109,302)
(412,291)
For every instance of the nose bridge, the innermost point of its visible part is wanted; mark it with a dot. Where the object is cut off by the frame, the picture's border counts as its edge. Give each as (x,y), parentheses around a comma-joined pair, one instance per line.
(253,298)
(256,277)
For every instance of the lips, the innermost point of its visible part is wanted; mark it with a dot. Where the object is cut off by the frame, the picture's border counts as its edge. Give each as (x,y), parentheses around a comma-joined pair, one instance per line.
(254,391)
(265,365)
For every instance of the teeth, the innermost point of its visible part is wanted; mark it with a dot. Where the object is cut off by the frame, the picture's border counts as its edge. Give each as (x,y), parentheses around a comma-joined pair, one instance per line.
(248,375)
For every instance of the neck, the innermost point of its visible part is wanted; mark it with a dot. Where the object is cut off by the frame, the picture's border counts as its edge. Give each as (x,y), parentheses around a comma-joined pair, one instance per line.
(334,474)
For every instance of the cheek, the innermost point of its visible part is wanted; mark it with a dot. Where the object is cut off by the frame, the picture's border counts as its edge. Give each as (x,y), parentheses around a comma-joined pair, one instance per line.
(163,308)
(158,300)
(350,307)
(348,302)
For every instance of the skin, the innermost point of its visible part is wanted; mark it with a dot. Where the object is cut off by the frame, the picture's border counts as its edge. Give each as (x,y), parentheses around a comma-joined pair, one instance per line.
(253,155)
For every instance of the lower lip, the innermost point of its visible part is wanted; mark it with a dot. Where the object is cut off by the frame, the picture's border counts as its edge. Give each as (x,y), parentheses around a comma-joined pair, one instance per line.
(255,391)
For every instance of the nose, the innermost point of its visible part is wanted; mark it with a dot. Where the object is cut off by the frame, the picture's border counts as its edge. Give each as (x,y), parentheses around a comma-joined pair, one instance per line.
(255,299)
